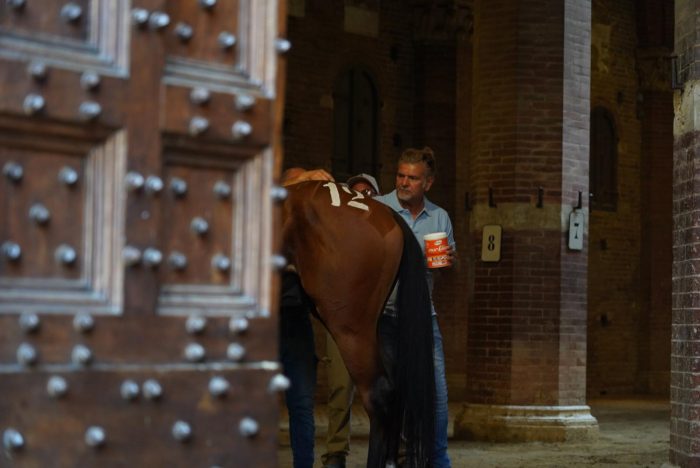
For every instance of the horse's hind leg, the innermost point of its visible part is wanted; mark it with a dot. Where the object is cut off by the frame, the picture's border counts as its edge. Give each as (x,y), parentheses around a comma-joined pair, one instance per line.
(360,352)
(364,362)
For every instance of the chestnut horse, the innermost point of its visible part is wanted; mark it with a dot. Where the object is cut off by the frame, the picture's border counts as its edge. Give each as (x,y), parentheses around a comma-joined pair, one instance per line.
(349,251)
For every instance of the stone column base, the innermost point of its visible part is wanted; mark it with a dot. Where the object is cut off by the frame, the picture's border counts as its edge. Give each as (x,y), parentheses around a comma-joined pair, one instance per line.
(510,423)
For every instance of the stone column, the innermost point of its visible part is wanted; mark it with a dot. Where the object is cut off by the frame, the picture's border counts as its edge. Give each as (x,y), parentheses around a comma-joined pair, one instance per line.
(685,331)
(526,348)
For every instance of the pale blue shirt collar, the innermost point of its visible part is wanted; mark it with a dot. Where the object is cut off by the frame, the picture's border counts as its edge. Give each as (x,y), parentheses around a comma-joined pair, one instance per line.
(392,200)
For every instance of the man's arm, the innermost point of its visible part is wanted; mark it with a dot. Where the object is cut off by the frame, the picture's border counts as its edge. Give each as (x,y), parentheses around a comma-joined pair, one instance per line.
(294,175)
(451,248)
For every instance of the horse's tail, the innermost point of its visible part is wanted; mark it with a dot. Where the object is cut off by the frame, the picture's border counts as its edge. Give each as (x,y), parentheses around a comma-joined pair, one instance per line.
(414,372)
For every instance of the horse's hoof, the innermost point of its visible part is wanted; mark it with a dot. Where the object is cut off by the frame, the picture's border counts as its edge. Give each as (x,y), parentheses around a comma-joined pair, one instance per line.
(334,461)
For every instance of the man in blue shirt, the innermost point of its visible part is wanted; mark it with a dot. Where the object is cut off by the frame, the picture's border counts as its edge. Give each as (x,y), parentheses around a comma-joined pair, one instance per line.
(414,176)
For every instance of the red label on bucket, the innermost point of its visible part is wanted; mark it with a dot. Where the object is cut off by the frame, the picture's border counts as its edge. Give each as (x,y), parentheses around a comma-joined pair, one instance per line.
(435,246)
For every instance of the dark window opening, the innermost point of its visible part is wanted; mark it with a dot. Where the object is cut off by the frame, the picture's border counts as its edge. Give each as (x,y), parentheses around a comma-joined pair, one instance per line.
(355,125)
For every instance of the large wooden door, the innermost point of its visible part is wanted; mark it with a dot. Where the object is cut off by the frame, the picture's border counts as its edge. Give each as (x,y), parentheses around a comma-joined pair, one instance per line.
(137,148)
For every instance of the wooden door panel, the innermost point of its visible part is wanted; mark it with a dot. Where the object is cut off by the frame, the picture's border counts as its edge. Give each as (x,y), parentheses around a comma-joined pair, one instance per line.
(70,262)
(63,97)
(200,33)
(136,229)
(200,207)
(221,111)
(56,19)
(247,64)
(73,34)
(233,228)
(43,214)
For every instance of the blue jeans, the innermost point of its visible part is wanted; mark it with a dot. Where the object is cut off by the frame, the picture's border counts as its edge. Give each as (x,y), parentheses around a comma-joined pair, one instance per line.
(440,459)
(298,358)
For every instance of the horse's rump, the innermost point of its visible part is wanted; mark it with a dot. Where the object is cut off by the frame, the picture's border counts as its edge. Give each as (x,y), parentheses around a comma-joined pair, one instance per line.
(346,248)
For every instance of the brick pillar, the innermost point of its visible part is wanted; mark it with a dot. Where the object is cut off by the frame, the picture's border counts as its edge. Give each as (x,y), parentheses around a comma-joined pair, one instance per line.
(685,331)
(526,348)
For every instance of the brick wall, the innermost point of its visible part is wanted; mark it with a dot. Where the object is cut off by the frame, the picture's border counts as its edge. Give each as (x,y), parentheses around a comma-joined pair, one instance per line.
(615,306)
(629,287)
(685,353)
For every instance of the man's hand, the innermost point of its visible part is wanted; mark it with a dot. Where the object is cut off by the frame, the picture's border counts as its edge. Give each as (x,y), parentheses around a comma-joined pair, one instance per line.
(297,174)
(452,256)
